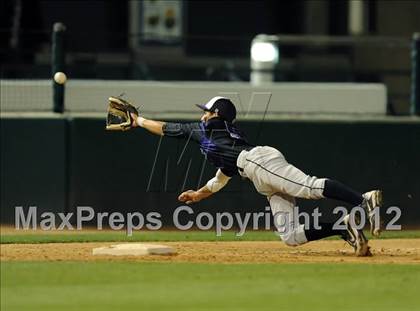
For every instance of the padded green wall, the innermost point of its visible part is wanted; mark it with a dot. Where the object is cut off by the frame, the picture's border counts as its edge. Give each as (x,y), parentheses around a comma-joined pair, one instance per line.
(111,171)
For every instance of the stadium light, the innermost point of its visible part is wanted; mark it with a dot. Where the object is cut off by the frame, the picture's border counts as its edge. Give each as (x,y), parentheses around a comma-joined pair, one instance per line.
(264,52)
(264,58)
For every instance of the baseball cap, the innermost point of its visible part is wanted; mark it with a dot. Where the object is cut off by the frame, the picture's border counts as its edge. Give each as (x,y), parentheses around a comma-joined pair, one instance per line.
(222,105)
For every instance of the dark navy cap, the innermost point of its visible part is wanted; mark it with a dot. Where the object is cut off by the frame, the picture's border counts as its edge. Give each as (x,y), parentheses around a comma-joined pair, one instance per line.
(223,106)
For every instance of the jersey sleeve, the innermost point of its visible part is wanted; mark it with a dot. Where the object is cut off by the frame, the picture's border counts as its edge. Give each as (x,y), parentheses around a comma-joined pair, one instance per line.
(229,173)
(183,130)
(218,181)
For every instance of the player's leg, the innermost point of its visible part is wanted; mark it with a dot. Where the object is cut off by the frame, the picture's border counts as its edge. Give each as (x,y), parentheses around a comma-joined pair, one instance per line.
(286,222)
(274,170)
(270,168)
(368,200)
(292,233)
(283,208)
(311,187)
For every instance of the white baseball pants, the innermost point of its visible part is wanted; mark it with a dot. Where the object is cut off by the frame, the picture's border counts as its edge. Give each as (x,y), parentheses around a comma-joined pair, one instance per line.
(281,183)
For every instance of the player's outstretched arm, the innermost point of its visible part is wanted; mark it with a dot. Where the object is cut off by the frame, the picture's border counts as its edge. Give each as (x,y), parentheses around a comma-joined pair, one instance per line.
(212,186)
(155,127)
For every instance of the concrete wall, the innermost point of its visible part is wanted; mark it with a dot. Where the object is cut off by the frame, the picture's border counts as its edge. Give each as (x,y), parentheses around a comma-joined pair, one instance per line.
(181,97)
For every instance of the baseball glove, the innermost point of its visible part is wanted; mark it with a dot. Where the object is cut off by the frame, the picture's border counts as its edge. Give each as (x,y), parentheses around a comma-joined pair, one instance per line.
(119,117)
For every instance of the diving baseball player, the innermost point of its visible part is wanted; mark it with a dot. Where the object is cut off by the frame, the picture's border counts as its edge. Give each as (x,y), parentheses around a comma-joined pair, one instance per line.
(227,148)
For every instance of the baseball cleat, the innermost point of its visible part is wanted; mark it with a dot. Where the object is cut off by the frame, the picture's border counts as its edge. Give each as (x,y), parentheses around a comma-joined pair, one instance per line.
(372,200)
(356,238)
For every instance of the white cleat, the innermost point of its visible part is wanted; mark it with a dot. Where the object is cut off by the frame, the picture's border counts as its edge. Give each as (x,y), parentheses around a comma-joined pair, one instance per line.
(371,200)
(356,238)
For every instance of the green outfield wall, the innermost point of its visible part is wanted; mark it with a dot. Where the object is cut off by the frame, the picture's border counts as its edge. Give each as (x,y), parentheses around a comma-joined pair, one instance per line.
(33,165)
(58,164)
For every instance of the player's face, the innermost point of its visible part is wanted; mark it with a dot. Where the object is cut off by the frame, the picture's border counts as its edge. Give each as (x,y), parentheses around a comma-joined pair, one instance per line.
(207,116)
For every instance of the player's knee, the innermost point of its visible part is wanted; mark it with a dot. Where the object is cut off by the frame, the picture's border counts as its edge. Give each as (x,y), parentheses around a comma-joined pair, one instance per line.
(289,239)
(316,188)
(295,237)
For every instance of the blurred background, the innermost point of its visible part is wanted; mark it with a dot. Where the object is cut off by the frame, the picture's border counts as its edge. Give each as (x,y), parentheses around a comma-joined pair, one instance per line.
(333,84)
(210,41)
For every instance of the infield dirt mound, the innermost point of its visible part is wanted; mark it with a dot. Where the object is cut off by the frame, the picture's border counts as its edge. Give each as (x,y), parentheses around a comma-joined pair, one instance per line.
(384,251)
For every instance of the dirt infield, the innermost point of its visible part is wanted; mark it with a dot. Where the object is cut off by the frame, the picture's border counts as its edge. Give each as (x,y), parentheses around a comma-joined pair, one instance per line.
(384,251)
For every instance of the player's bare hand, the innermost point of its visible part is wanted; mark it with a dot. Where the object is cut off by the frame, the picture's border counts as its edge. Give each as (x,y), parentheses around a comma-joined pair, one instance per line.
(189,196)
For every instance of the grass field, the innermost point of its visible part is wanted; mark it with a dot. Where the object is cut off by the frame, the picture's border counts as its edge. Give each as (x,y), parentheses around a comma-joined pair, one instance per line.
(159,286)
(22,236)
(130,284)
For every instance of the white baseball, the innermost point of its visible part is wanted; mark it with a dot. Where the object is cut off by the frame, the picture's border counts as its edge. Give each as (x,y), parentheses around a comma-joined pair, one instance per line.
(60,77)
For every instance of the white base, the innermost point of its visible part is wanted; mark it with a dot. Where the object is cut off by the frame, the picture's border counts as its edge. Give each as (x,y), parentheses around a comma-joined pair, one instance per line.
(134,249)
